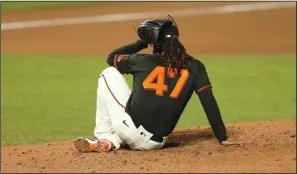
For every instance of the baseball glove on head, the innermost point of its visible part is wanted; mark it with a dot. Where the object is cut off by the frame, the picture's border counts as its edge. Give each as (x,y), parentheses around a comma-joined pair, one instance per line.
(157,31)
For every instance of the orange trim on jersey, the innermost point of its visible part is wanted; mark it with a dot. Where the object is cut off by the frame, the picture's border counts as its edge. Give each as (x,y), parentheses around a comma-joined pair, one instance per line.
(111,91)
(118,58)
(121,57)
(203,87)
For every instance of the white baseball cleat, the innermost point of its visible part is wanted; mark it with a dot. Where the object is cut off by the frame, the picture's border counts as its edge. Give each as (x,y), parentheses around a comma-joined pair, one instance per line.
(84,145)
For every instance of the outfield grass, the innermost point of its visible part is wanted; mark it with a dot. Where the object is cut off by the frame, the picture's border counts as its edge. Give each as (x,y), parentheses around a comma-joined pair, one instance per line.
(49,98)
(15,6)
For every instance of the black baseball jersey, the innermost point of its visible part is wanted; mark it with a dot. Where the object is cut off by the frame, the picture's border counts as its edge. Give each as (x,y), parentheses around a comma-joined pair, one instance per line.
(159,96)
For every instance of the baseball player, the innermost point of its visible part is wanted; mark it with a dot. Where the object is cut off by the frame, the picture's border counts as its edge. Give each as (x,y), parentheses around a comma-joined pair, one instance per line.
(163,83)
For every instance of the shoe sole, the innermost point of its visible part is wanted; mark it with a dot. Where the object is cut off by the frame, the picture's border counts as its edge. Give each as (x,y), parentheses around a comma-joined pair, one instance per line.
(82,145)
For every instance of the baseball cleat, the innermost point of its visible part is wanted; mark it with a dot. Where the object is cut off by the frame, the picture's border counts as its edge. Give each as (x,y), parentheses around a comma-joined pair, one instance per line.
(85,145)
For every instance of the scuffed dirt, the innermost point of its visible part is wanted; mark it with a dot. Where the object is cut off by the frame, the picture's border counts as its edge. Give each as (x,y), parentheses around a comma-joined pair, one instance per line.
(267,147)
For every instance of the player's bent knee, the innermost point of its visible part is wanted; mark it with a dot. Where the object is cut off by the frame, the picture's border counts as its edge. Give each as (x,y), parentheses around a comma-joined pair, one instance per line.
(110,71)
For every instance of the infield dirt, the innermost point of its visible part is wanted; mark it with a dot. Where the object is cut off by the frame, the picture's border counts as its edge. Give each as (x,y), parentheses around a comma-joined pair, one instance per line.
(268,146)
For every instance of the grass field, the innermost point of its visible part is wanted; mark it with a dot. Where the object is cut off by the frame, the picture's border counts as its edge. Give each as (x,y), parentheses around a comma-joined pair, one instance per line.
(48,98)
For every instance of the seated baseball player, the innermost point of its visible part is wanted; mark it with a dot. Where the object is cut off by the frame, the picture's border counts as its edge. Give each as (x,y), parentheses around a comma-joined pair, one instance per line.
(163,83)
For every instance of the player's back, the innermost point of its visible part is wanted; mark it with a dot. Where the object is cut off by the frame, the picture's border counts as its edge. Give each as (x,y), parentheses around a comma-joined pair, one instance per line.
(159,98)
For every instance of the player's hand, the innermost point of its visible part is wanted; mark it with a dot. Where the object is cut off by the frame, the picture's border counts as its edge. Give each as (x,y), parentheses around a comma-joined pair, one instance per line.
(231,142)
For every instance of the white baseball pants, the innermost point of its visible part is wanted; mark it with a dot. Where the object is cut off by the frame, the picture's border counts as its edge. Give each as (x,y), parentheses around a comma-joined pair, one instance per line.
(112,122)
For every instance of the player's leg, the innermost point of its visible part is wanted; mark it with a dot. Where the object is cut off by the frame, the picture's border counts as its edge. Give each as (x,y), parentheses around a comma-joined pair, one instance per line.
(104,128)
(141,139)
(153,145)
(112,96)
(112,122)
(116,99)
(105,137)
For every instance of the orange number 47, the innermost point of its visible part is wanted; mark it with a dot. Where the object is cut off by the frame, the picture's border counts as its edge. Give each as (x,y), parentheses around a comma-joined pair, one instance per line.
(160,86)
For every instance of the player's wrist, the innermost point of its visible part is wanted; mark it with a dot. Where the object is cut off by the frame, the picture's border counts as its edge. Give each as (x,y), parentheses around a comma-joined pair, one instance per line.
(223,139)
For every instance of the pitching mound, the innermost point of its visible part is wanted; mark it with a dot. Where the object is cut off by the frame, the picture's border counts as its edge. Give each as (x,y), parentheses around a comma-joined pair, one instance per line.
(268,147)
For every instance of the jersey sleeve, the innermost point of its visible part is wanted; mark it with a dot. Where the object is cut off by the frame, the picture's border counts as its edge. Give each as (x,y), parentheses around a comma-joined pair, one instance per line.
(125,63)
(202,80)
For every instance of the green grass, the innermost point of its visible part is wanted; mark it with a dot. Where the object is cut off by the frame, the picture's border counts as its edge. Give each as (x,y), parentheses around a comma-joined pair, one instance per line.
(15,6)
(49,98)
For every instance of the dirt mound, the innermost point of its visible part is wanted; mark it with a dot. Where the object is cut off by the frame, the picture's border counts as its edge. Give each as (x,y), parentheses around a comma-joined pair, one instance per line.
(268,147)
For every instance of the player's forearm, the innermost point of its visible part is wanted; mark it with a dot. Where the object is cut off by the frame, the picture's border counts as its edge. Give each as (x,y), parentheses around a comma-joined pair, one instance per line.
(213,114)
(127,49)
